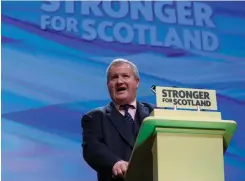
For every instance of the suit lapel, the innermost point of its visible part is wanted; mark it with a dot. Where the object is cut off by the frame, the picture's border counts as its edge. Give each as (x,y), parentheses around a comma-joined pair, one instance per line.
(142,111)
(120,124)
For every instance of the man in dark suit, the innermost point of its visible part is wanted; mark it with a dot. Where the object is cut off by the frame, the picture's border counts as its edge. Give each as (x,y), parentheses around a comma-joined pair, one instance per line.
(109,132)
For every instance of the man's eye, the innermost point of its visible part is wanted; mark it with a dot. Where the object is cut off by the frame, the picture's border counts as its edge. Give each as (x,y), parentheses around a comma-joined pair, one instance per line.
(113,77)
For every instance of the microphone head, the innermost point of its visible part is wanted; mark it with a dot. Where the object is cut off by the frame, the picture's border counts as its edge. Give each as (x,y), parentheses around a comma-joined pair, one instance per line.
(153,88)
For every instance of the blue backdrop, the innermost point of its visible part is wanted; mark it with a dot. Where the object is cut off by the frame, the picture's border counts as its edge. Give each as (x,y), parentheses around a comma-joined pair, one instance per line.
(54,58)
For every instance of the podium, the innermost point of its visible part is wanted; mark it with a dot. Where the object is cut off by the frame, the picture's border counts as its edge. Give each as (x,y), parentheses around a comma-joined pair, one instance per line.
(180,145)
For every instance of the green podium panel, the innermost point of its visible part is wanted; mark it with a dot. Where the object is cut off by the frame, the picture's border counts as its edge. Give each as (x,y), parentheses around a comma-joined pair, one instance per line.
(151,123)
(180,146)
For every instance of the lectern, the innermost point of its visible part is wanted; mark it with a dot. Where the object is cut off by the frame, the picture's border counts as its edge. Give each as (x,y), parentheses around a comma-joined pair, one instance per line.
(181,144)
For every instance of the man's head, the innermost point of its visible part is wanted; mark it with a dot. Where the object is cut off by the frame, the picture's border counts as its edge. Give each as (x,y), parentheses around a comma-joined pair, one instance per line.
(122,81)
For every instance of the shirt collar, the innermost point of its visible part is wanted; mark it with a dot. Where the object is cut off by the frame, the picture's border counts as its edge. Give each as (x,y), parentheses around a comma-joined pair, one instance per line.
(132,104)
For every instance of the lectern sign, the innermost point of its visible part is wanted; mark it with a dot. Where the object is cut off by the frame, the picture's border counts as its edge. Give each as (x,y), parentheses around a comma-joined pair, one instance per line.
(186,98)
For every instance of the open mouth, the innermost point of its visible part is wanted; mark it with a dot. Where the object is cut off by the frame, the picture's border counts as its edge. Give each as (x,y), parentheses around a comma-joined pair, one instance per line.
(121,89)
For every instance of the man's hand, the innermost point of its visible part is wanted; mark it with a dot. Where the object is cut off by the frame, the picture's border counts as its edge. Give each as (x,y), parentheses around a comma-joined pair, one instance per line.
(119,168)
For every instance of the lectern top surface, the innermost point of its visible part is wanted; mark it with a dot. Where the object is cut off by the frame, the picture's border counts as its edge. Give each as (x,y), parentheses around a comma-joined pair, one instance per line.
(149,125)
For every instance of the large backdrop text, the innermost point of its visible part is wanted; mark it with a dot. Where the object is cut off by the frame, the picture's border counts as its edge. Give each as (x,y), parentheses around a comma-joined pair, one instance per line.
(185,25)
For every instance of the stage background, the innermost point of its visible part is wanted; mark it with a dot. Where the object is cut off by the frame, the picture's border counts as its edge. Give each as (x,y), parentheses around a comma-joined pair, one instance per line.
(53,73)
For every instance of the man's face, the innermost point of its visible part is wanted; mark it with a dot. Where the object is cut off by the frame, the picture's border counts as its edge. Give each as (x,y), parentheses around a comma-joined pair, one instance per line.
(122,84)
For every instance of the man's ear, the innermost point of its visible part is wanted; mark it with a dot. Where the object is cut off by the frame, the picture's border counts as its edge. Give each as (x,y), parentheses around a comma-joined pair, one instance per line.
(138,82)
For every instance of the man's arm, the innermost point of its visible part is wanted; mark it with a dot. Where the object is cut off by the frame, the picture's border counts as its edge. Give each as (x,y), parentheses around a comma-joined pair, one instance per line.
(95,152)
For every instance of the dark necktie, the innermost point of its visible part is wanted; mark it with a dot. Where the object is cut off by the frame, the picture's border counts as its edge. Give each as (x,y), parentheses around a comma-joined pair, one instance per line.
(127,116)
(130,122)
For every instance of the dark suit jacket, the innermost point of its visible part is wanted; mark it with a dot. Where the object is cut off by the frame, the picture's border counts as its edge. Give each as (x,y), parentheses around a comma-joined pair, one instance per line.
(106,138)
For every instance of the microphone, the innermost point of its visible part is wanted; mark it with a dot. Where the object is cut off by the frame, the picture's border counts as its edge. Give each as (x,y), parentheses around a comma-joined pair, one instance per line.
(153,88)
